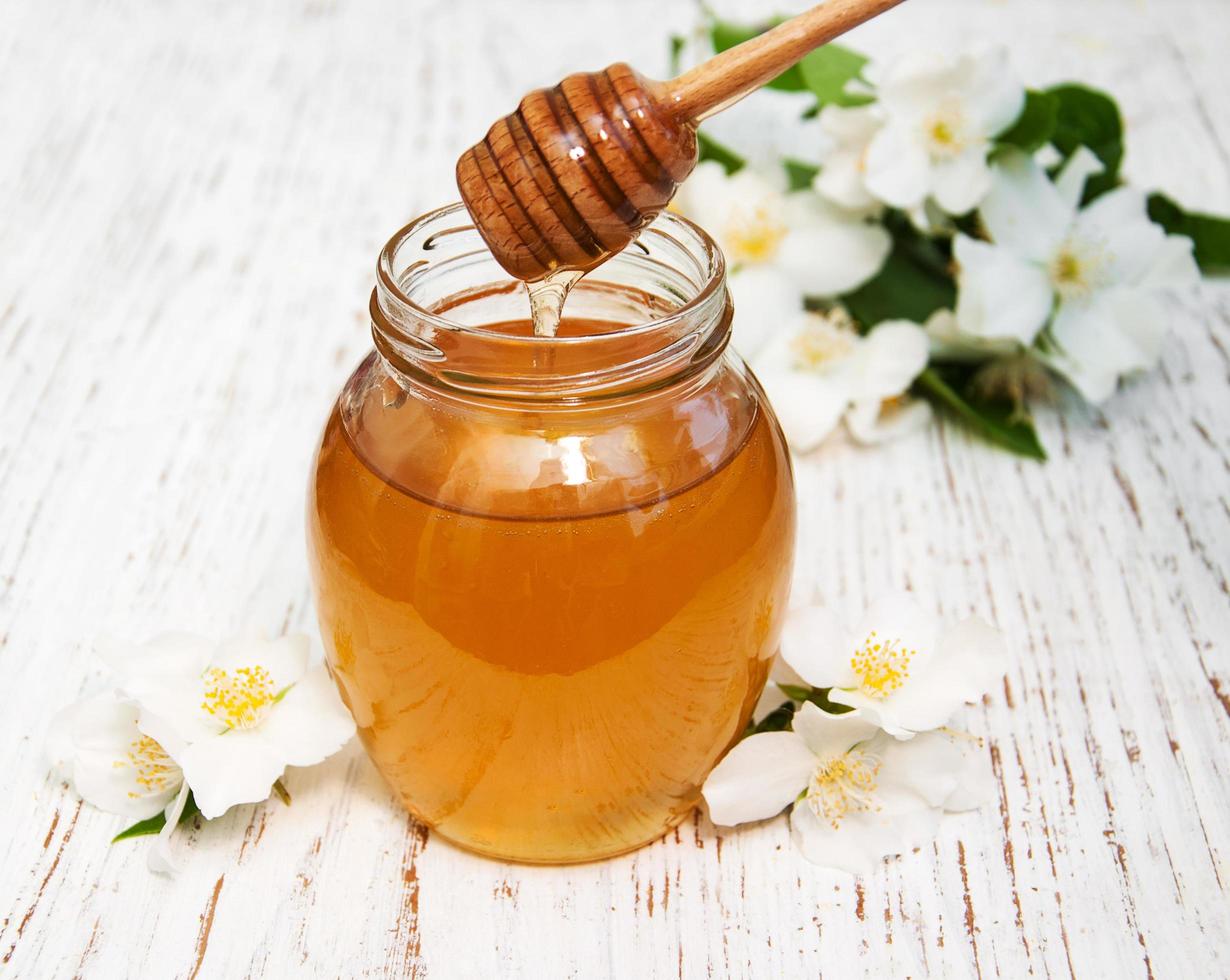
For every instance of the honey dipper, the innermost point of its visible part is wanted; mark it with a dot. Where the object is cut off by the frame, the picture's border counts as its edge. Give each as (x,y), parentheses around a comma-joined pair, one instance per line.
(578,170)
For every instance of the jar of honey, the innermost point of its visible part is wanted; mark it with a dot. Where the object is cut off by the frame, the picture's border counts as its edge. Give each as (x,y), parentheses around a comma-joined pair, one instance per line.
(550,571)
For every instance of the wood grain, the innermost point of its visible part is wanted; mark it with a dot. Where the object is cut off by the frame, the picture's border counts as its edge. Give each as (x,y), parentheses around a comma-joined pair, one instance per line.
(192,202)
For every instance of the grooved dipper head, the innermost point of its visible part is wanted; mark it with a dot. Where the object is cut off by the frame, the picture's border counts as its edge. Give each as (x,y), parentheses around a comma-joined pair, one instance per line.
(576,172)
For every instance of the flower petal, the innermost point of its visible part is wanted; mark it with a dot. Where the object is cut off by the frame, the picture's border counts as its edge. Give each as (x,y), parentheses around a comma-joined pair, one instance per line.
(1001,296)
(167,653)
(725,204)
(310,723)
(225,770)
(170,710)
(861,838)
(758,778)
(878,711)
(939,768)
(976,784)
(1071,180)
(959,183)
(1117,226)
(898,168)
(706,195)
(808,406)
(841,174)
(915,83)
(285,658)
(1119,332)
(821,844)
(766,300)
(827,735)
(898,615)
(891,356)
(974,655)
(871,423)
(826,252)
(994,97)
(1024,211)
(159,858)
(817,647)
(950,343)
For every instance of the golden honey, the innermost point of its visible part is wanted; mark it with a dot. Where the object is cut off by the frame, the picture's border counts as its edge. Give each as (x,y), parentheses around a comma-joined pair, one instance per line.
(550,617)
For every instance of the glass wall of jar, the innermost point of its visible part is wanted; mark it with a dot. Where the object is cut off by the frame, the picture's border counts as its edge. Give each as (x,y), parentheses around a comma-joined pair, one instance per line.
(550,572)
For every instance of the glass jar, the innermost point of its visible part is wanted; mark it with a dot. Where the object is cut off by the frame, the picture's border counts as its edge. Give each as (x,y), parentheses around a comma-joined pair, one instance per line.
(550,572)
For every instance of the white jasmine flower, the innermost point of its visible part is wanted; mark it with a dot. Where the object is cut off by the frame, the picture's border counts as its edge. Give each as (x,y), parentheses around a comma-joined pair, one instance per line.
(926,138)
(780,246)
(1094,274)
(858,794)
(898,667)
(819,370)
(96,745)
(940,117)
(234,716)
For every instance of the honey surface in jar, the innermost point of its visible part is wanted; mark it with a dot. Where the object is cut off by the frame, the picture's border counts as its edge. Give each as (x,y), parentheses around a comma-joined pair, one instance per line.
(550,625)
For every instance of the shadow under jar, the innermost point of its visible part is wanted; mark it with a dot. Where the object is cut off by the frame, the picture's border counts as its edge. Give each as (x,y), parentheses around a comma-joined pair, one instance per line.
(550,572)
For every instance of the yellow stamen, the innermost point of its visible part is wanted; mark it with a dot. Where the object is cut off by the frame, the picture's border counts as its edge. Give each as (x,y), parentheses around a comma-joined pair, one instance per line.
(822,341)
(753,237)
(945,132)
(238,698)
(882,666)
(1079,267)
(154,768)
(843,784)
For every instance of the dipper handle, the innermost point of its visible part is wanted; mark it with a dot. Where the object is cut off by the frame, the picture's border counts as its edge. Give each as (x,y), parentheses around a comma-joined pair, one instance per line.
(726,78)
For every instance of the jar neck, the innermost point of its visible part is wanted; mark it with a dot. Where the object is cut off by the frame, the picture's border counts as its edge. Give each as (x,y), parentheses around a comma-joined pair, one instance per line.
(660,314)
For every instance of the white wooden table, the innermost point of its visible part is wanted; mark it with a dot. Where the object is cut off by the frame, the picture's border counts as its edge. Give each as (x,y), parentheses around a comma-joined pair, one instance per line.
(191,200)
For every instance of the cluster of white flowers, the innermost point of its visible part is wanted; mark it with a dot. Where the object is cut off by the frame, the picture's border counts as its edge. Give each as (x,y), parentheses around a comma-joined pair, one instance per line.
(782,247)
(1046,285)
(873,781)
(184,715)
(923,144)
(1082,286)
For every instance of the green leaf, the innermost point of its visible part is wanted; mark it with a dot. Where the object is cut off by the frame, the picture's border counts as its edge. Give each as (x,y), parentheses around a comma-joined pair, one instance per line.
(1087,117)
(152,825)
(909,287)
(826,71)
(778,720)
(711,149)
(947,386)
(725,36)
(799,174)
(1209,233)
(677,43)
(1035,126)
(819,696)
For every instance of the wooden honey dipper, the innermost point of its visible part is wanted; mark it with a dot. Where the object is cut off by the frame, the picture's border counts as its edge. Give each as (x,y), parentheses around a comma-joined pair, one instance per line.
(578,170)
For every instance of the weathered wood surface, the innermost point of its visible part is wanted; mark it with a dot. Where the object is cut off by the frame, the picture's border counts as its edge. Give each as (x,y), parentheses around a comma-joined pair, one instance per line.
(191,200)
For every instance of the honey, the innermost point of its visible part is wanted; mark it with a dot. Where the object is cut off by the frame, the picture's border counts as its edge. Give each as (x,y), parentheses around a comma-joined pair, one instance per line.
(550,616)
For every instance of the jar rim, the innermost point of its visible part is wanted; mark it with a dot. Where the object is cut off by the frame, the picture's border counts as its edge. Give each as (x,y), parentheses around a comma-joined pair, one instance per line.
(715,280)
